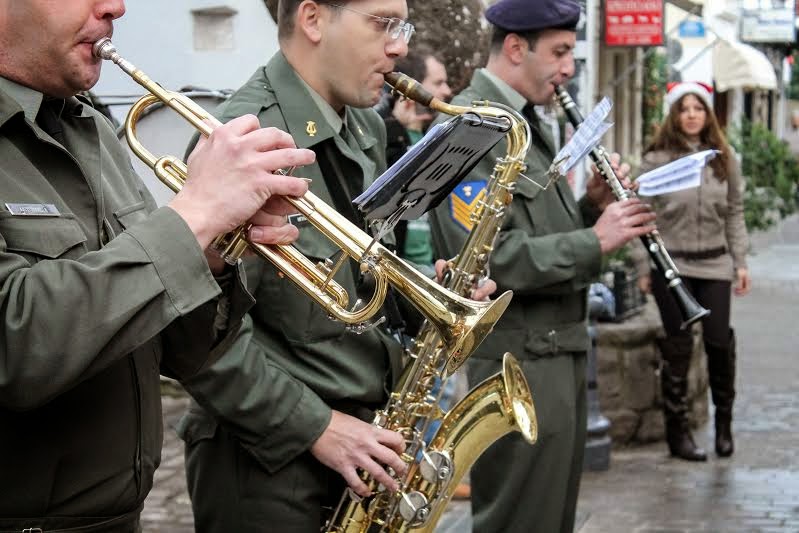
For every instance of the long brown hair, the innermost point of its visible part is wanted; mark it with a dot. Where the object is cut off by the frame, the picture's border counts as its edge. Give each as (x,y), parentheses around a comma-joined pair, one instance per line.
(670,137)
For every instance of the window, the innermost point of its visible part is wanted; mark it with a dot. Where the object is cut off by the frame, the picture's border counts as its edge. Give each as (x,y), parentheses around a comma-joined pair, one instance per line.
(213,28)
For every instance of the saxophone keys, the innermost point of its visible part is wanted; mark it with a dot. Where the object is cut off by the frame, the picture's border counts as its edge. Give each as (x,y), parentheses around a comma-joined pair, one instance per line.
(436,467)
(414,508)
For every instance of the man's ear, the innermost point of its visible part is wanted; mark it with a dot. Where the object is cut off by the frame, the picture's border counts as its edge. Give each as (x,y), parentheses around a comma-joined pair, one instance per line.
(310,20)
(515,48)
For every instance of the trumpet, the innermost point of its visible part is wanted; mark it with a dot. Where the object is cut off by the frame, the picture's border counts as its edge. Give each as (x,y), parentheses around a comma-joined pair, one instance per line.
(462,323)
(690,309)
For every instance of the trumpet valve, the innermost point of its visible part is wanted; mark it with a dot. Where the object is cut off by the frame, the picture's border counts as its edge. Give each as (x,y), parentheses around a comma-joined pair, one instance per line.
(231,246)
(325,267)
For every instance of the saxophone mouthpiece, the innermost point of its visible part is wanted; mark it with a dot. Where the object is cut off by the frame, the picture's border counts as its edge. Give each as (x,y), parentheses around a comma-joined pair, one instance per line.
(408,87)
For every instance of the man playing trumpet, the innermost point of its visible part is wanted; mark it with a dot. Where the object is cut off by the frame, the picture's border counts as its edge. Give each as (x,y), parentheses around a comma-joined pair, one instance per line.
(98,287)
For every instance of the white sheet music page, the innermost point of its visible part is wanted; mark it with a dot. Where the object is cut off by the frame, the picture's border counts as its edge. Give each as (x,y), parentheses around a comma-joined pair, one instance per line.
(584,139)
(684,173)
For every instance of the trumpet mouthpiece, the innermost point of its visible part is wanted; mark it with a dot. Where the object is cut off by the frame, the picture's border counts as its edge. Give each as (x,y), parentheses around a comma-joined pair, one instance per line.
(104,49)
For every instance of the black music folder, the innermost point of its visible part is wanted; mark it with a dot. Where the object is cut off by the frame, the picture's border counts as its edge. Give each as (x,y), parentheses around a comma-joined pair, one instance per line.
(428,172)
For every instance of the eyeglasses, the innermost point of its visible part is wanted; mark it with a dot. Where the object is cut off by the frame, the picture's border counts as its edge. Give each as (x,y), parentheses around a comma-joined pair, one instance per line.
(394,27)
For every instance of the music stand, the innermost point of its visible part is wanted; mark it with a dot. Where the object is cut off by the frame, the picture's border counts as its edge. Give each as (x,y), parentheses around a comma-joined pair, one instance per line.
(431,169)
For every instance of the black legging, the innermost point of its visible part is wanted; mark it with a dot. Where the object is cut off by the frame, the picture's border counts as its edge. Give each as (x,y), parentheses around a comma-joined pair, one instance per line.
(710,293)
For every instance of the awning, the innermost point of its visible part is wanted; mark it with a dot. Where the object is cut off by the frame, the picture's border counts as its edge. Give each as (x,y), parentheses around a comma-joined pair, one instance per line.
(738,65)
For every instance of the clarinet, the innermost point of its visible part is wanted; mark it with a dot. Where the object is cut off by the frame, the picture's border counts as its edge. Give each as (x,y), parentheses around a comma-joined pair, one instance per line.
(690,309)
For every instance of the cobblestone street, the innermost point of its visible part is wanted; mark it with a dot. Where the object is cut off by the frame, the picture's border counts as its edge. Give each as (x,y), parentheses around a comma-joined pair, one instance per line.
(757,490)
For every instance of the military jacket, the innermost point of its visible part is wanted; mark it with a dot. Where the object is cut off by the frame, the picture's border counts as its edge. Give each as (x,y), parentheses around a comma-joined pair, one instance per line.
(96,298)
(544,252)
(700,219)
(299,363)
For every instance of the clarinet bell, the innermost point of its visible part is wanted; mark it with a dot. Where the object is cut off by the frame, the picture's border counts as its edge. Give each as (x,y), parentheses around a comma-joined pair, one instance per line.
(690,309)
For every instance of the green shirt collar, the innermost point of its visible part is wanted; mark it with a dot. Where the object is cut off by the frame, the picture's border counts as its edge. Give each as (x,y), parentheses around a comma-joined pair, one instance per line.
(333,119)
(304,116)
(514,99)
(30,100)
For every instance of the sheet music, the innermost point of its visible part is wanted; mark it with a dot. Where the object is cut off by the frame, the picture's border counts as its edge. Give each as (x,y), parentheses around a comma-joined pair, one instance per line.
(585,138)
(684,173)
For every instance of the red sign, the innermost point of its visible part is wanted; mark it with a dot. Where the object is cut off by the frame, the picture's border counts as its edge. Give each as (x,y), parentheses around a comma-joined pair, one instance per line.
(633,22)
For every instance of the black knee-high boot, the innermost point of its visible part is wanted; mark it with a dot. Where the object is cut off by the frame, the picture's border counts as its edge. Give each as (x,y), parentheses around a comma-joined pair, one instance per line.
(676,352)
(721,374)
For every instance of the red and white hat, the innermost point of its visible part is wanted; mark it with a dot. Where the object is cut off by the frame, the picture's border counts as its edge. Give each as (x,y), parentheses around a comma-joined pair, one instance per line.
(677,90)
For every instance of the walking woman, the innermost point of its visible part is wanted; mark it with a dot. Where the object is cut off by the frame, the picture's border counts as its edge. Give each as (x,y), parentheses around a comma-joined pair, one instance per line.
(703,229)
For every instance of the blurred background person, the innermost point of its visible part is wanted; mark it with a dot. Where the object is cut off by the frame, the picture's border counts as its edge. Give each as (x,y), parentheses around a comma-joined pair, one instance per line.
(406,123)
(704,231)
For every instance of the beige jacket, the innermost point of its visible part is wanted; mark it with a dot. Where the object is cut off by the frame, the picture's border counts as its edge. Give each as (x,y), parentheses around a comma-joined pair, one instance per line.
(698,220)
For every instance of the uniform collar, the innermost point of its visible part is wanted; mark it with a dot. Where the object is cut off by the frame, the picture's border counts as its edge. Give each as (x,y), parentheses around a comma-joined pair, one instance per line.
(509,94)
(310,119)
(16,98)
(333,119)
(30,100)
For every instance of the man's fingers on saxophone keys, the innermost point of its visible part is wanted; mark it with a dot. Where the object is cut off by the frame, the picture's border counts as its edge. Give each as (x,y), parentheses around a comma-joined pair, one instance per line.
(379,474)
(389,450)
(355,483)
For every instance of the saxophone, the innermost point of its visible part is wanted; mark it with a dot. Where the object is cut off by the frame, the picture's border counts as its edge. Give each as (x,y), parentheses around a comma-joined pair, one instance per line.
(497,406)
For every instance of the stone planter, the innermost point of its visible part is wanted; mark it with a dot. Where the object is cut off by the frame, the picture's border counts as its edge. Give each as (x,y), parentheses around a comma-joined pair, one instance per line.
(629,378)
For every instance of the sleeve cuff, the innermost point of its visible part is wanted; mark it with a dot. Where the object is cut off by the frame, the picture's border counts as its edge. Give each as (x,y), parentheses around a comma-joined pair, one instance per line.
(177,258)
(587,255)
(306,423)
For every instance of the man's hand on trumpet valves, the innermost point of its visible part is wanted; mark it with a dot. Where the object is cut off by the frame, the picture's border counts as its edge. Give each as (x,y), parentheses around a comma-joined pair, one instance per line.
(232,180)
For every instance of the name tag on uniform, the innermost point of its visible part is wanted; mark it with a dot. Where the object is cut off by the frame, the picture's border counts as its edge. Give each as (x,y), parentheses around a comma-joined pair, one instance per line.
(33,210)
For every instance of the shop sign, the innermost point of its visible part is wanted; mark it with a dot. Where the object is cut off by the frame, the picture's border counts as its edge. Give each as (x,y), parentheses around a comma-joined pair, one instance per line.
(768,26)
(633,22)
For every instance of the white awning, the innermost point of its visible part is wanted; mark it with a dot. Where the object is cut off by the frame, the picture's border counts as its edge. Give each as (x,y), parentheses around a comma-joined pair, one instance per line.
(738,65)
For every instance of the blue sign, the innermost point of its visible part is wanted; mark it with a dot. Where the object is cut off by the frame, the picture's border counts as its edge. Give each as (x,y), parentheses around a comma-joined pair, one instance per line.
(692,28)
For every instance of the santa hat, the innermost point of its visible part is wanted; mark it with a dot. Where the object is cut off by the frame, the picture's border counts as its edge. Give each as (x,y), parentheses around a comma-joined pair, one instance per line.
(677,90)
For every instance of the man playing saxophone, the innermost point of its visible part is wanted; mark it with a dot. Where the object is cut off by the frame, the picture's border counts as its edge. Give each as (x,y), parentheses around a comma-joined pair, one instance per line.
(291,401)
(548,252)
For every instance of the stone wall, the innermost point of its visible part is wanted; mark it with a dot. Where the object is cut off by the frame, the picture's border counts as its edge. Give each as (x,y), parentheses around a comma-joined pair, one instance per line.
(628,376)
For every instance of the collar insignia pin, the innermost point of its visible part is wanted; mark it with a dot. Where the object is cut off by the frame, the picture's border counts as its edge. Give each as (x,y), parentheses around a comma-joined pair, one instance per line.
(310,128)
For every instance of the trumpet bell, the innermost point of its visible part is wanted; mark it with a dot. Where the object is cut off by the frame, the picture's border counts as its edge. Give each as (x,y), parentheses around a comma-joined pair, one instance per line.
(476,329)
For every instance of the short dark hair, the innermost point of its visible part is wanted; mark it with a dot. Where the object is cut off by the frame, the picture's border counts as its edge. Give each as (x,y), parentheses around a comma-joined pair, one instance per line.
(286,9)
(415,63)
(498,38)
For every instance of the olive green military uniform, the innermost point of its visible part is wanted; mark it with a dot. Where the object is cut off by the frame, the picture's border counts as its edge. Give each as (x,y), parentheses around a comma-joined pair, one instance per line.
(547,257)
(249,468)
(98,292)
